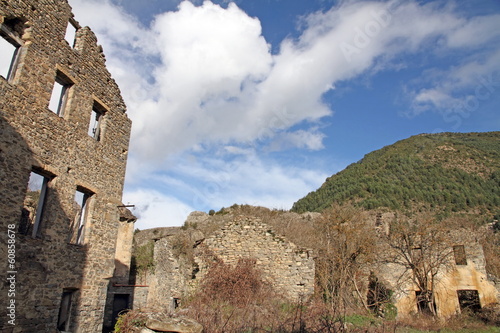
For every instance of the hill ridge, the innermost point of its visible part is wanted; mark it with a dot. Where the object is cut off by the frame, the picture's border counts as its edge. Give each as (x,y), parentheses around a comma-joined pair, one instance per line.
(452,171)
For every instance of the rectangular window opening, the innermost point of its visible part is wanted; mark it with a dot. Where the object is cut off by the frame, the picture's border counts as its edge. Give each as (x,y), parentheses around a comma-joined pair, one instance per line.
(469,300)
(176,302)
(63,321)
(32,211)
(59,96)
(71,33)
(96,121)
(10,45)
(81,204)
(459,253)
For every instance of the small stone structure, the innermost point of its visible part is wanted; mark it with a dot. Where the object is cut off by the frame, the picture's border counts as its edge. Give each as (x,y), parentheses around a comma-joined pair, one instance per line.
(64,138)
(181,261)
(461,283)
(289,268)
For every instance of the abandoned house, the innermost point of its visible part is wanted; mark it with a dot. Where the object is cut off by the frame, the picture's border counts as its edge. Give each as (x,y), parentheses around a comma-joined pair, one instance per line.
(453,270)
(286,266)
(180,258)
(64,138)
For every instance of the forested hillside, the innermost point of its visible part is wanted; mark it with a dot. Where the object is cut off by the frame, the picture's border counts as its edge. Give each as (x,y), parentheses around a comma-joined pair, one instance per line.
(450,171)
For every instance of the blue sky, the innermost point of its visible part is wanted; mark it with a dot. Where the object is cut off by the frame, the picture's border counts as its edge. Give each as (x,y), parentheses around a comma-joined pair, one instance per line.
(258,101)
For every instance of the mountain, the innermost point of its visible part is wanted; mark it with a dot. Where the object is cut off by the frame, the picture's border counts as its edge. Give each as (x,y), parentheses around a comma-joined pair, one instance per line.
(450,171)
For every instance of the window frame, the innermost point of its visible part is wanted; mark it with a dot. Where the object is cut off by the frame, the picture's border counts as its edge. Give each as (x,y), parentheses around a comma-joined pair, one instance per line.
(460,255)
(81,219)
(40,208)
(95,129)
(66,85)
(66,309)
(9,36)
(72,24)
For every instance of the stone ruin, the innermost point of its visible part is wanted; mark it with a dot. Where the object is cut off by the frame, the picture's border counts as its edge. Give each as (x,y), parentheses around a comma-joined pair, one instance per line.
(64,136)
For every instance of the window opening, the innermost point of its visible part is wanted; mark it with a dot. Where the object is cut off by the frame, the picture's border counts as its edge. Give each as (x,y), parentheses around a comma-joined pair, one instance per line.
(60,92)
(378,295)
(82,200)
(459,253)
(32,211)
(63,321)
(425,302)
(10,44)
(71,33)
(176,302)
(96,121)
(469,300)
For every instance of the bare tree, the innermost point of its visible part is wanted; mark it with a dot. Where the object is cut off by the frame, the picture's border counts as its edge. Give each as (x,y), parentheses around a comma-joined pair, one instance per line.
(346,245)
(423,248)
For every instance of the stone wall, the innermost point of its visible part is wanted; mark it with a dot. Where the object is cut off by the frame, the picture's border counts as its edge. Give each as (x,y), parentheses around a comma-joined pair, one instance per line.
(181,262)
(50,265)
(289,268)
(453,276)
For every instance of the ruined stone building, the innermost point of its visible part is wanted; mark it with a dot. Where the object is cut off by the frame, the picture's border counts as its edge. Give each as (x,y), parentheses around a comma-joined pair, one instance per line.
(181,260)
(64,138)
(288,267)
(461,282)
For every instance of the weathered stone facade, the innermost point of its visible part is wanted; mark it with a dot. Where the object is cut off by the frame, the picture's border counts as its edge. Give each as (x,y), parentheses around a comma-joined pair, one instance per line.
(289,268)
(181,260)
(461,281)
(63,235)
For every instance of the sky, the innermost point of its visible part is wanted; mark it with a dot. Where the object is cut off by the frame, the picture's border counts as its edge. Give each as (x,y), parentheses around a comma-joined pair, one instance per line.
(259,101)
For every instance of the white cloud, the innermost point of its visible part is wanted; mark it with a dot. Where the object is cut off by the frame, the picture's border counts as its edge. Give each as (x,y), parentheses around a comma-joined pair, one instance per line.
(204,75)
(154,209)
(213,183)
(202,80)
(459,89)
(475,32)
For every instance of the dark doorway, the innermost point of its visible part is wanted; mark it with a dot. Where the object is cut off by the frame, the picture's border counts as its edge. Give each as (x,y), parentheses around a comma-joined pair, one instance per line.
(469,300)
(120,303)
(425,302)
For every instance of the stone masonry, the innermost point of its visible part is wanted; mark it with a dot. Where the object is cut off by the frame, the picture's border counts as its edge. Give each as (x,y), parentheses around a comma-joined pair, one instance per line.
(62,234)
(289,268)
(181,260)
(462,281)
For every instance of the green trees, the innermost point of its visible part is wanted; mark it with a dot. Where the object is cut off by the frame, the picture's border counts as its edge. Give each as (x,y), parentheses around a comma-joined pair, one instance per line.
(455,172)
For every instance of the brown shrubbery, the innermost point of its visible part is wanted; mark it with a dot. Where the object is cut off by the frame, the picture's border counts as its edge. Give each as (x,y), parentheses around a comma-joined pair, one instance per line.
(236,299)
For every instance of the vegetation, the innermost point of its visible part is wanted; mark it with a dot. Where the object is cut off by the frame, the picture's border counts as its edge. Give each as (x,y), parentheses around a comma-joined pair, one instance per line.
(449,171)
(143,258)
(433,184)
(423,248)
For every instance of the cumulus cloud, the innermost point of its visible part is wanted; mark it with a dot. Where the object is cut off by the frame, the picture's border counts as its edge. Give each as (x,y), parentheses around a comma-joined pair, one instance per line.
(202,79)
(204,75)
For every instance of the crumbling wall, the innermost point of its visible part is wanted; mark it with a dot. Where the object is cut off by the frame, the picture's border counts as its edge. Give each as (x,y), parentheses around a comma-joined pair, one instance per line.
(47,264)
(289,268)
(453,277)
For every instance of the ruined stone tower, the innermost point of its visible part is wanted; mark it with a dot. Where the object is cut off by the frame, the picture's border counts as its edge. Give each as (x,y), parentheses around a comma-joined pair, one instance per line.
(64,138)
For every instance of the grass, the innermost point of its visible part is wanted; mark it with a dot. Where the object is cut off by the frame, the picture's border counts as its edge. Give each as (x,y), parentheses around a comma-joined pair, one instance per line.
(489,329)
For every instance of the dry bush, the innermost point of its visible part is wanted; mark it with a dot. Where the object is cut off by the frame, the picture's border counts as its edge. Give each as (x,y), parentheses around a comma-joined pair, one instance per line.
(491,248)
(236,299)
(346,246)
(130,321)
(490,315)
